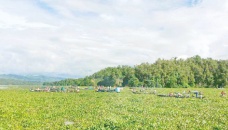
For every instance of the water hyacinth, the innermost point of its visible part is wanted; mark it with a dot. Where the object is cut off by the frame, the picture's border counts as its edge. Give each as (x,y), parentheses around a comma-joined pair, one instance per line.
(21,109)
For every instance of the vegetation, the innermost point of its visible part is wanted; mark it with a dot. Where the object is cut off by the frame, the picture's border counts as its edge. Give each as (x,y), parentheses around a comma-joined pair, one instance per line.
(21,109)
(173,73)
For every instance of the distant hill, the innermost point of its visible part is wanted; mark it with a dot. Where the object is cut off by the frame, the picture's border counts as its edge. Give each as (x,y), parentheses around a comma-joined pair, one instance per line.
(17,82)
(12,79)
(173,73)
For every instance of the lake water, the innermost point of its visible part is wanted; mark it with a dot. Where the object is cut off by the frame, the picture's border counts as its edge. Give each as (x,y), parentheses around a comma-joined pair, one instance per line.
(3,86)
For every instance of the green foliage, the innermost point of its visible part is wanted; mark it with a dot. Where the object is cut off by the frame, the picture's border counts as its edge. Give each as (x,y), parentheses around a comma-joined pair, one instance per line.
(21,109)
(134,82)
(107,81)
(173,73)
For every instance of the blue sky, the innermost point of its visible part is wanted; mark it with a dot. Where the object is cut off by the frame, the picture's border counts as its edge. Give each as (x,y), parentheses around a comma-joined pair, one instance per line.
(45,6)
(80,37)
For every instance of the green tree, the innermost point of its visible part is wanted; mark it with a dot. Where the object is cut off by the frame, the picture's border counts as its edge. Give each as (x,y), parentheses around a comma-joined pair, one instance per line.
(134,82)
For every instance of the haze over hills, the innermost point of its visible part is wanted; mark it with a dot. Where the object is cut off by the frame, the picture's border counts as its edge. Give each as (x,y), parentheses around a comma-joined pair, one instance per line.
(13,79)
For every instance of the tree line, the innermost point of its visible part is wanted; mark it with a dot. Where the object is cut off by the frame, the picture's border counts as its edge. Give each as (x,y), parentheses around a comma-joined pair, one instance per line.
(174,73)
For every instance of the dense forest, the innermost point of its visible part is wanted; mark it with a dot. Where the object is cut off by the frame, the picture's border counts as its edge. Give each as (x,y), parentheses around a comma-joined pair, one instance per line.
(173,73)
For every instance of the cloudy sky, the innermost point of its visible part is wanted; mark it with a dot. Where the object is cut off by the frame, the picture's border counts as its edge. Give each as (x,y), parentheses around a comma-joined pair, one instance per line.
(80,37)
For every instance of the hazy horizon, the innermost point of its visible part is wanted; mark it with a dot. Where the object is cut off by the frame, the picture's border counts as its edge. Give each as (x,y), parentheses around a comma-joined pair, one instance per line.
(78,37)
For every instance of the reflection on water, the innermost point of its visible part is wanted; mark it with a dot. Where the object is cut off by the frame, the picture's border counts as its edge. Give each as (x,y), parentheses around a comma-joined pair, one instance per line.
(6,86)
(18,86)
(3,87)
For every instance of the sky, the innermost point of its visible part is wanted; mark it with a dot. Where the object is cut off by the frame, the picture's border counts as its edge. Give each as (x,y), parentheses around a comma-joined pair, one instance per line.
(80,37)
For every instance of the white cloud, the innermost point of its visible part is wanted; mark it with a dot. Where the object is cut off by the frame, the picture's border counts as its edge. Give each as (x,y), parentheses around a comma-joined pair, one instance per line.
(81,37)
(8,21)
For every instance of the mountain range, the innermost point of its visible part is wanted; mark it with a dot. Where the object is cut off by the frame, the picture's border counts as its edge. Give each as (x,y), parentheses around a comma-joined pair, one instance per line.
(13,79)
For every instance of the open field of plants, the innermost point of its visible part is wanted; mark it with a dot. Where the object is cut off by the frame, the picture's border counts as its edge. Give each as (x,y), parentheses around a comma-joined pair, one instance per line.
(22,109)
